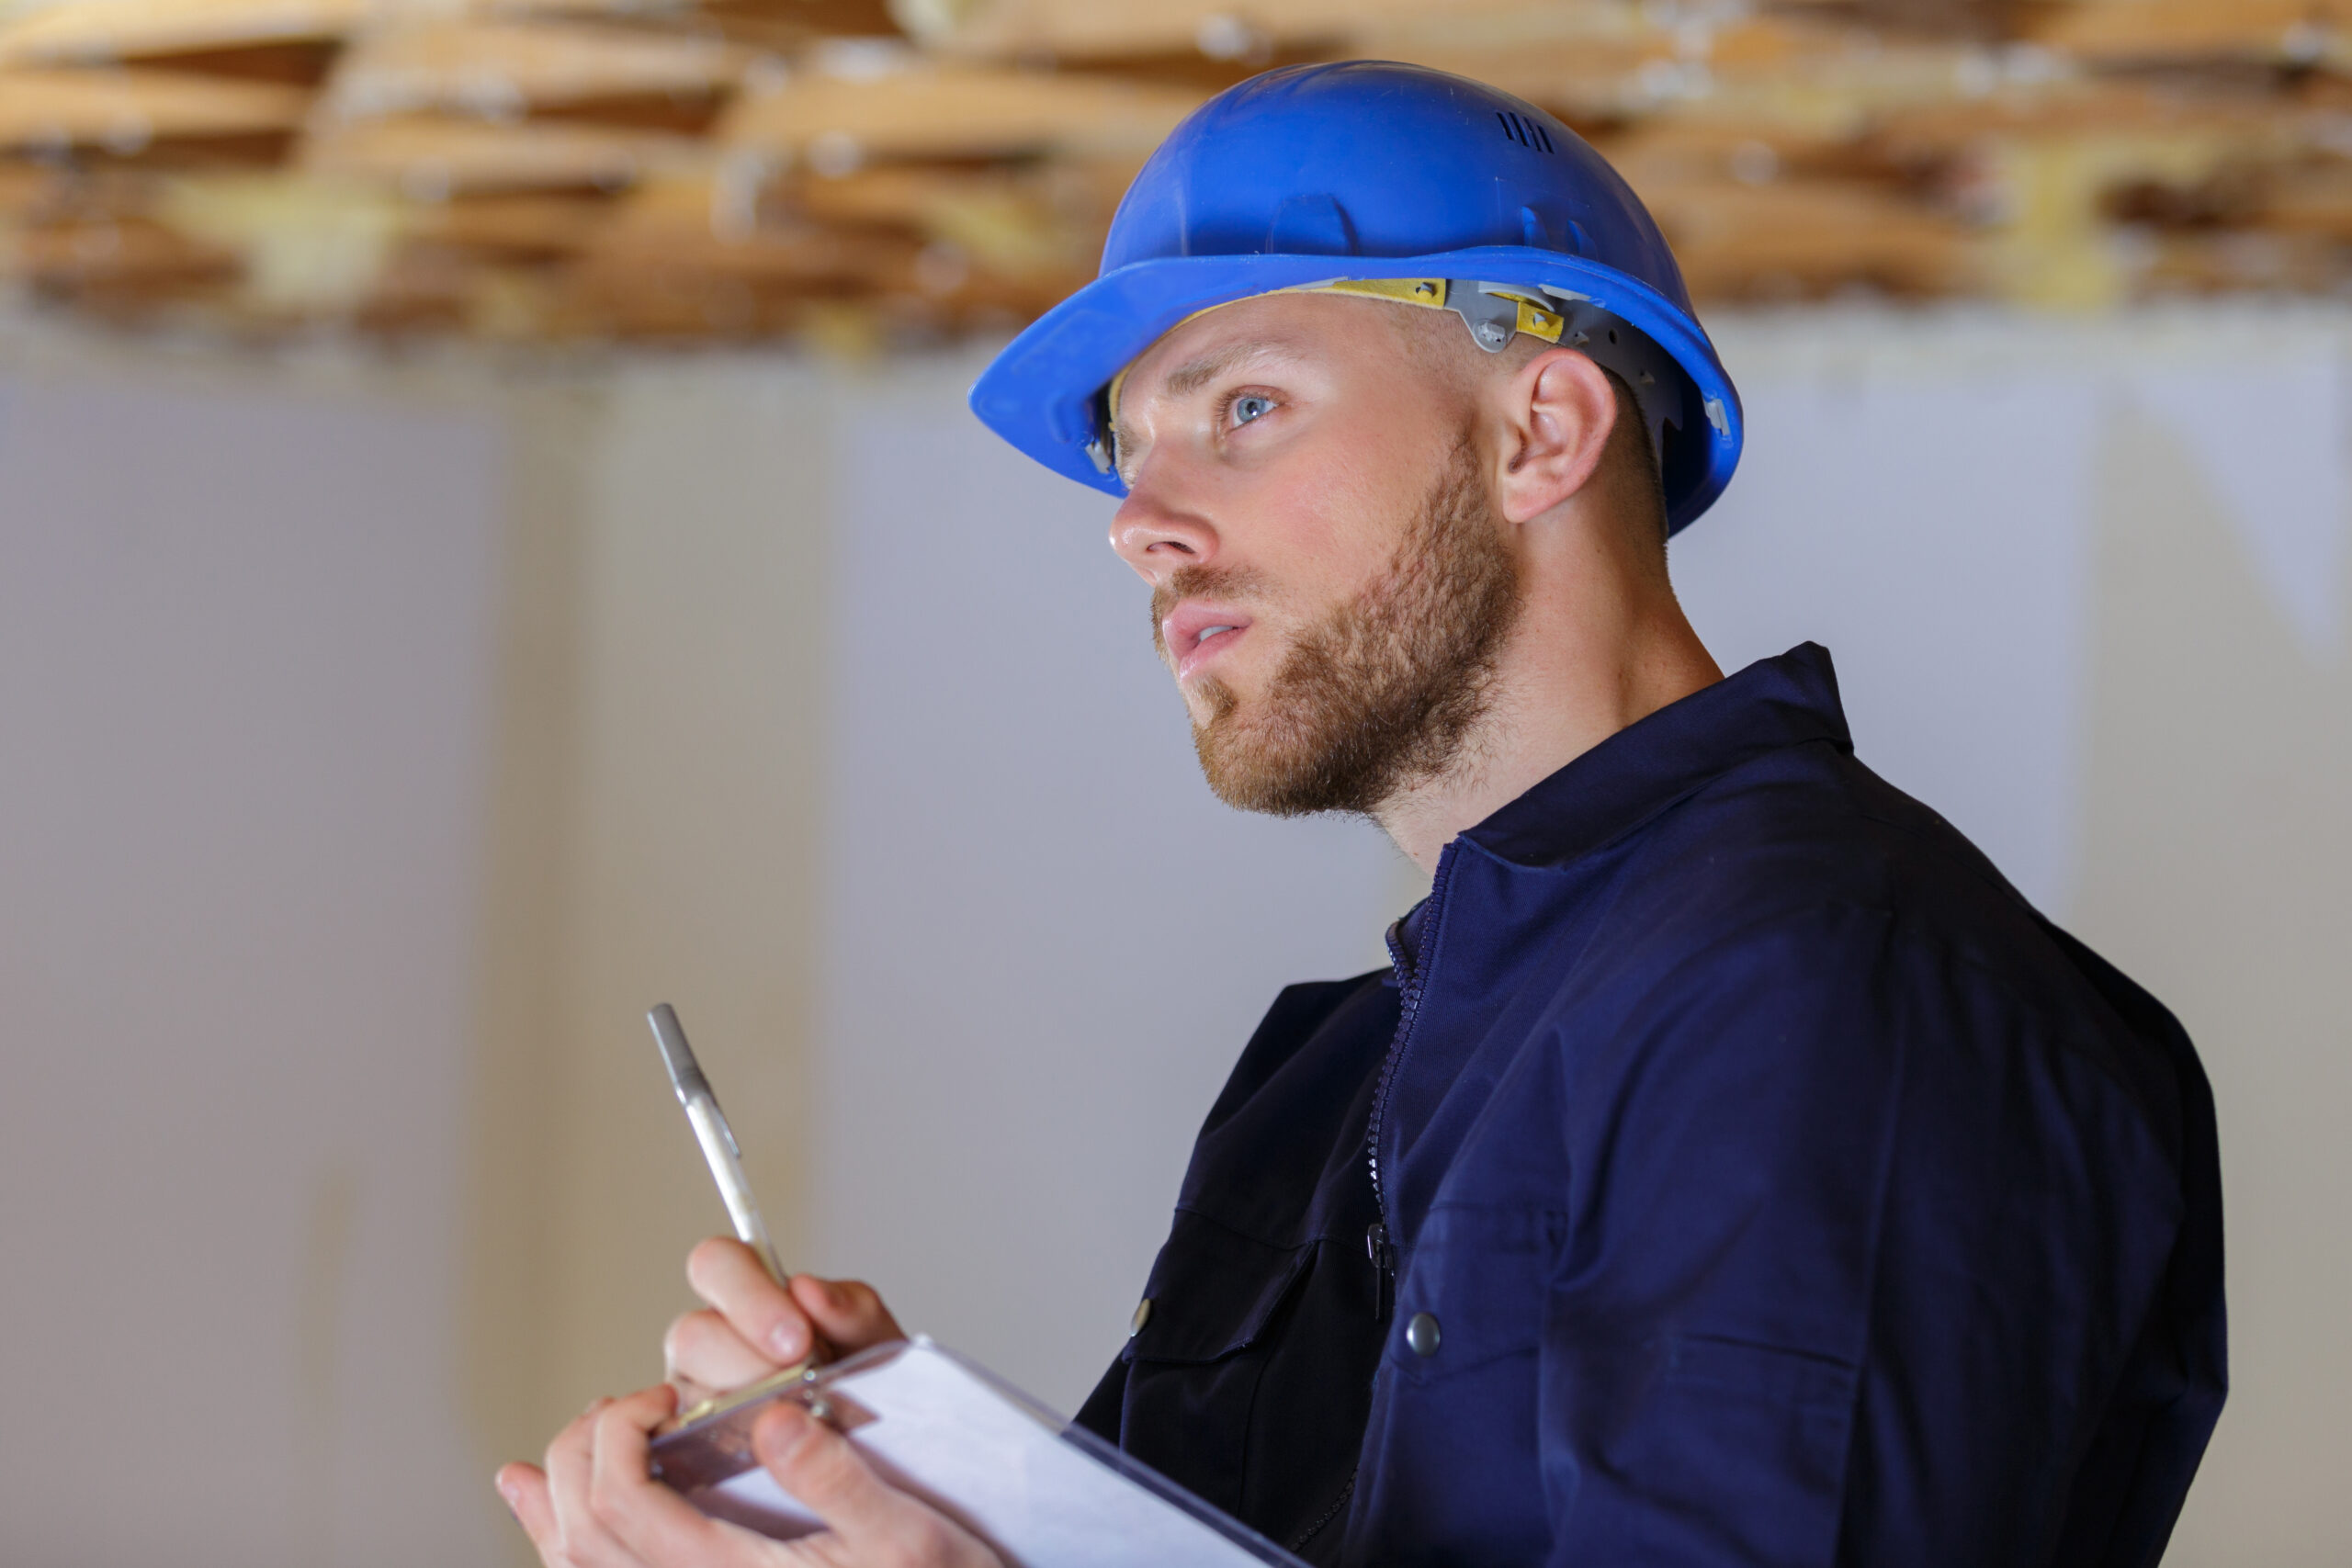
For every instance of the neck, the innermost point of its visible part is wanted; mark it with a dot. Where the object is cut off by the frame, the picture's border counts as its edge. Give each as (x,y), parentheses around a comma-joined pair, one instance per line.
(1576,669)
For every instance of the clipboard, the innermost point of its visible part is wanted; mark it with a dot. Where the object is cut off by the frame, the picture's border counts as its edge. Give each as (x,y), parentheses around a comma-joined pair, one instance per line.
(1043,1493)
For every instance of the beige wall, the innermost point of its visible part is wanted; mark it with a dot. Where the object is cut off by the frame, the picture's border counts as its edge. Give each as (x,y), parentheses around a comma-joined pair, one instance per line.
(658,793)
(2218,868)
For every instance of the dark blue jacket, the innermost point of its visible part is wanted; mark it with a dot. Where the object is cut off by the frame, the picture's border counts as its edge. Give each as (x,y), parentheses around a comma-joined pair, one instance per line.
(1735,1170)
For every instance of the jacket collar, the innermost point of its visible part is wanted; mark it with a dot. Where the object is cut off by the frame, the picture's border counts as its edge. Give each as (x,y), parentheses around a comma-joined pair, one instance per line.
(1654,762)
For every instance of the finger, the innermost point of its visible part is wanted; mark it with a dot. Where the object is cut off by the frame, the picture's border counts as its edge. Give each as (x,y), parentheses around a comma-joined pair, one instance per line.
(848,1313)
(873,1520)
(571,1460)
(650,1520)
(703,1348)
(730,1276)
(525,1487)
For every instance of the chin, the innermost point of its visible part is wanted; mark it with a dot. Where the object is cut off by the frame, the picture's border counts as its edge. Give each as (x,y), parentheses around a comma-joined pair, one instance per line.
(1209,701)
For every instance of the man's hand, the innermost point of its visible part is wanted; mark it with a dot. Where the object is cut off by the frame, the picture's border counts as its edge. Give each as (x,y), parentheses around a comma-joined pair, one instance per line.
(753,1327)
(594,1505)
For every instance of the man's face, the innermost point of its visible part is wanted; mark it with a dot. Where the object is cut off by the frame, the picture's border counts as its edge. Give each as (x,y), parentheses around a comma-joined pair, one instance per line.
(1331,584)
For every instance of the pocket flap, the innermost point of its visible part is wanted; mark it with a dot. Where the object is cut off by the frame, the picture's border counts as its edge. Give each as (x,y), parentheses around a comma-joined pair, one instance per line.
(1213,1291)
(1485,1275)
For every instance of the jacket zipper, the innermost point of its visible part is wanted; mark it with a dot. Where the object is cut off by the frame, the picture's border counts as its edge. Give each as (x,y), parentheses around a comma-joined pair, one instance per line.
(1378,1243)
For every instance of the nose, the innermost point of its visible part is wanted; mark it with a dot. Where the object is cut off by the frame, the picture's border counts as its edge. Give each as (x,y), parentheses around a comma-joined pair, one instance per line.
(1156,537)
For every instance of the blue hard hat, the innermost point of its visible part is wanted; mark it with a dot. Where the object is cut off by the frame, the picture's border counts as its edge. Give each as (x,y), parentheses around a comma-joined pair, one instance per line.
(1369,170)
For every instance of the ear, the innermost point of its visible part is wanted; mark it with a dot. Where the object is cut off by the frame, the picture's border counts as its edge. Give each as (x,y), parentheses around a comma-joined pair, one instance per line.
(1558,411)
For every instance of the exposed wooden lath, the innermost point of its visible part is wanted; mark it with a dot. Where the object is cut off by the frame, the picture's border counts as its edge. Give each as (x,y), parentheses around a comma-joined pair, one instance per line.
(584,169)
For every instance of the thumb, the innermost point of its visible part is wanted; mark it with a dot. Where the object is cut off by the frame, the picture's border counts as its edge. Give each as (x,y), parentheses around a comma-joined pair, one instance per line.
(874,1519)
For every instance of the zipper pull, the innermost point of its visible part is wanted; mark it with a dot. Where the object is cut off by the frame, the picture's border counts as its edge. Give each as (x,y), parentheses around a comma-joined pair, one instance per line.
(1384,1263)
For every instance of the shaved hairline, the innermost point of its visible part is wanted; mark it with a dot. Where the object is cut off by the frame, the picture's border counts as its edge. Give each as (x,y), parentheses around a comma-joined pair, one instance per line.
(1442,342)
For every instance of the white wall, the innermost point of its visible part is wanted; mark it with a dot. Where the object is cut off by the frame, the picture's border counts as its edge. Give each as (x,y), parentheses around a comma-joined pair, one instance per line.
(1952,590)
(243,732)
(1047,942)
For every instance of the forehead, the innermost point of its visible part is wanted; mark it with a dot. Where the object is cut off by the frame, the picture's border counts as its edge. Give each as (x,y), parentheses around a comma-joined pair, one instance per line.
(1273,329)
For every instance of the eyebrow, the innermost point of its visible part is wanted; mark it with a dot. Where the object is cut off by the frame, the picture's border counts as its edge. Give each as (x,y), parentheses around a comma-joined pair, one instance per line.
(1195,374)
(1191,376)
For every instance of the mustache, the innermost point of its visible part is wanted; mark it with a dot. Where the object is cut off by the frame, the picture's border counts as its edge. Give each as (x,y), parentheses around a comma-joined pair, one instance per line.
(1232,585)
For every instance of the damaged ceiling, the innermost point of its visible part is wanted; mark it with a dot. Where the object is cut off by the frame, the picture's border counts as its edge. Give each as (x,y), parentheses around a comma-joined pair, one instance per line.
(865,173)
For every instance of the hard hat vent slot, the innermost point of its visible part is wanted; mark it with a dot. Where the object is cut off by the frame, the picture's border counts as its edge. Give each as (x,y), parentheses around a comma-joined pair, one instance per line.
(1528,133)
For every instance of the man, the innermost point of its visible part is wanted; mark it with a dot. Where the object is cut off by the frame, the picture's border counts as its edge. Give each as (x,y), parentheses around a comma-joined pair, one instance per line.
(1733,1168)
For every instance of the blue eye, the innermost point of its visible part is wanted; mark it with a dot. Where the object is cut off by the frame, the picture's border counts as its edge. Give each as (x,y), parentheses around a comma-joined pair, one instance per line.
(1250,406)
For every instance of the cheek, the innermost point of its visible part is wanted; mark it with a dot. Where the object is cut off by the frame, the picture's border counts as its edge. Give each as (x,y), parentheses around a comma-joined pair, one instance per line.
(1324,535)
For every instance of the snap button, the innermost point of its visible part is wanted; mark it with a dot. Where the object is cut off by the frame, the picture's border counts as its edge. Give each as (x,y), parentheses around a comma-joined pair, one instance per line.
(1142,1317)
(1421,1334)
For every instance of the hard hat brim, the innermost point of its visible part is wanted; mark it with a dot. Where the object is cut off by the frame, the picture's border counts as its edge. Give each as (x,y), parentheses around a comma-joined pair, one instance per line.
(1039,393)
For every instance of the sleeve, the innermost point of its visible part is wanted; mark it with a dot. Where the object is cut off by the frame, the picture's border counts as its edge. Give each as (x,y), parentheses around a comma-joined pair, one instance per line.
(1858,1242)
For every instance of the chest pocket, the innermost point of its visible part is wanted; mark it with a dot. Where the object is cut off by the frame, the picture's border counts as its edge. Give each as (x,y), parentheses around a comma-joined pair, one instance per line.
(1482,1278)
(1217,1299)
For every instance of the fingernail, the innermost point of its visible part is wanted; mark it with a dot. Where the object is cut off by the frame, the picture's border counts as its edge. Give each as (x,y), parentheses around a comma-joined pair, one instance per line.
(788,1428)
(506,1494)
(784,1339)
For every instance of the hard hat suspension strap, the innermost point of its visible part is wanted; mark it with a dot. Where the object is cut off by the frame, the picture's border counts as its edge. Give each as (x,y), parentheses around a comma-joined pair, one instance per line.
(1495,313)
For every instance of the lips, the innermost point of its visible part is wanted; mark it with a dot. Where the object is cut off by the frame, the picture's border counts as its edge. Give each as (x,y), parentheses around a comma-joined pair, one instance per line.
(1196,632)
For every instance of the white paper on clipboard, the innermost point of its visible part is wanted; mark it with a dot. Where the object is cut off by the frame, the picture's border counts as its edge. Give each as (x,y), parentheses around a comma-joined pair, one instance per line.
(1043,1494)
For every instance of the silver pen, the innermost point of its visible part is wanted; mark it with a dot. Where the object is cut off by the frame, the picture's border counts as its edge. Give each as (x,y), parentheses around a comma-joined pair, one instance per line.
(726,1161)
(717,1140)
